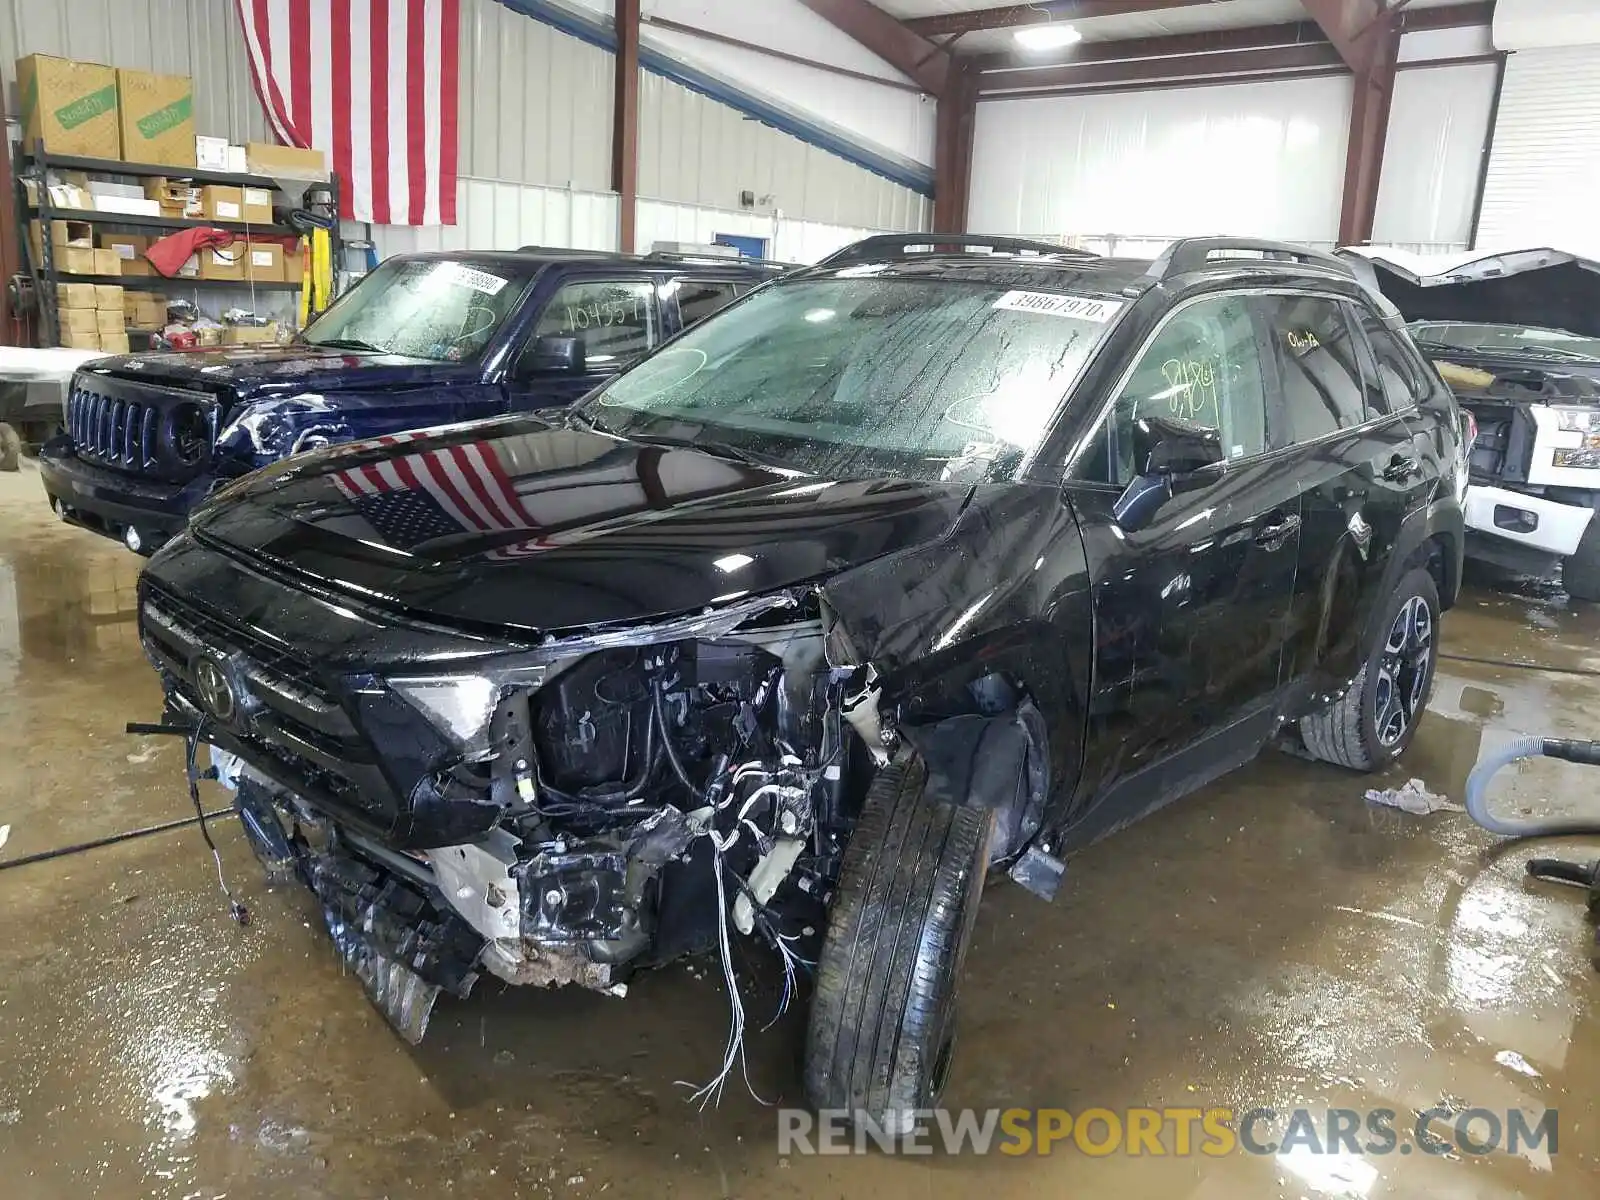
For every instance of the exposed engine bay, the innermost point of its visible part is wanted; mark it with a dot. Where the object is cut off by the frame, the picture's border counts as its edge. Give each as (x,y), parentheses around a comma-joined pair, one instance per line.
(652,794)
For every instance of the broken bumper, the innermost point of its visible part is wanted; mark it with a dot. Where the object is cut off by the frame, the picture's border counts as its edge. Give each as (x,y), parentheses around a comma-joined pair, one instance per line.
(110,502)
(1531,522)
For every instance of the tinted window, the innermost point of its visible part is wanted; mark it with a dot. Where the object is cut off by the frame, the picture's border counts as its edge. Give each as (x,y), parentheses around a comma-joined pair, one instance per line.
(615,320)
(1202,366)
(699,298)
(1317,363)
(1398,372)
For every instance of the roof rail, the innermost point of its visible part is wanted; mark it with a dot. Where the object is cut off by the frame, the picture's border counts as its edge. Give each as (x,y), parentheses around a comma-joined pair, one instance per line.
(1197,253)
(898,244)
(735,260)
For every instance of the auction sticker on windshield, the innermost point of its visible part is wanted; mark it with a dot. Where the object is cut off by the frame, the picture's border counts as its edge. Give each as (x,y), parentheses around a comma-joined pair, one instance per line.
(478,281)
(1055,304)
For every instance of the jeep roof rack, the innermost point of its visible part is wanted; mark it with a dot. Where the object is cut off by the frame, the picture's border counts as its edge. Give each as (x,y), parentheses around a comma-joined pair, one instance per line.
(1197,253)
(658,256)
(900,244)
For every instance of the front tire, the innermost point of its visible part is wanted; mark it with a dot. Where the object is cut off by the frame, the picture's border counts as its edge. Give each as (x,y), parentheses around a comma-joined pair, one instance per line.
(882,1025)
(1374,721)
(1580,571)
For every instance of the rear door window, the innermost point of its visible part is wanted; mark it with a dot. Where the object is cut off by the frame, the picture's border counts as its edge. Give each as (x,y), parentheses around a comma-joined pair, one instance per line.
(1399,374)
(1310,337)
(615,319)
(699,298)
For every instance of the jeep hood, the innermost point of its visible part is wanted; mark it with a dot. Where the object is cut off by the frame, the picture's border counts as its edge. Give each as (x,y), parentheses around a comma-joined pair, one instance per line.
(246,370)
(511,523)
(1541,287)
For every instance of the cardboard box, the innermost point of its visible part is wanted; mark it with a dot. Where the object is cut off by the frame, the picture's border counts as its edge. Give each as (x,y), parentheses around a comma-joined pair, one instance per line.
(80,340)
(294,262)
(108,296)
(249,335)
(132,208)
(78,320)
(156,115)
(238,164)
(106,262)
(223,262)
(175,197)
(208,335)
(285,162)
(114,343)
(150,314)
(62,233)
(265,264)
(75,295)
(190,268)
(130,248)
(107,321)
(77,260)
(71,105)
(222,202)
(258,205)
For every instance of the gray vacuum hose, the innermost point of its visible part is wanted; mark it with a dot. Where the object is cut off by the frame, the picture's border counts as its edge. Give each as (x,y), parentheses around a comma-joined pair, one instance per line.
(1524,747)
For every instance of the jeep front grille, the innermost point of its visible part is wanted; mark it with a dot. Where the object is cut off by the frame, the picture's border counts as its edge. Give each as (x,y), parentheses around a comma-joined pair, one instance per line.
(131,426)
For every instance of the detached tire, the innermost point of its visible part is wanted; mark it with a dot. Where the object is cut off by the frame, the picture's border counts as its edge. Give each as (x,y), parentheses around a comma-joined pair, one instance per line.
(883,1011)
(1580,573)
(1372,724)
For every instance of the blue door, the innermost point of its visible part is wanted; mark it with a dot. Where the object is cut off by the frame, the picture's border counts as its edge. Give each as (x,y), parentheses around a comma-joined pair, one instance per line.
(748,247)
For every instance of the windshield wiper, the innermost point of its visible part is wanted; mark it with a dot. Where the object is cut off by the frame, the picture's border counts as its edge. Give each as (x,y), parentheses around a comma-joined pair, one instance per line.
(350,344)
(1545,353)
(712,447)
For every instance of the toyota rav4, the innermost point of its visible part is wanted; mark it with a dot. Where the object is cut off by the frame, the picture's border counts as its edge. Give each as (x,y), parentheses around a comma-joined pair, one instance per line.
(936,561)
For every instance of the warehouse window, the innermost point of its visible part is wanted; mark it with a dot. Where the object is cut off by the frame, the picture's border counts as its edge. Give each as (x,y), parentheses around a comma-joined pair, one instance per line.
(615,320)
(699,298)
(1322,387)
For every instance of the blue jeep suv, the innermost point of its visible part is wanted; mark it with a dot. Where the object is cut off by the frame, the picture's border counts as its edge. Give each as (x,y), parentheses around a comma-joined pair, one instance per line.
(426,339)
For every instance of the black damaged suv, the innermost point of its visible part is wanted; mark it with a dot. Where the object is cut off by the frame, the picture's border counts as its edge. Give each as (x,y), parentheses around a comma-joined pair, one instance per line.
(940,559)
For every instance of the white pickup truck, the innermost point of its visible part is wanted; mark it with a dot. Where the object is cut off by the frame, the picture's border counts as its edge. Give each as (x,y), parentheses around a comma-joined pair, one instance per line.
(1519,334)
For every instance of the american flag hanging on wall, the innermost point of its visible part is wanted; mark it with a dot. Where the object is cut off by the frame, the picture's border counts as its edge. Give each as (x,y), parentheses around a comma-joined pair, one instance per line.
(373,85)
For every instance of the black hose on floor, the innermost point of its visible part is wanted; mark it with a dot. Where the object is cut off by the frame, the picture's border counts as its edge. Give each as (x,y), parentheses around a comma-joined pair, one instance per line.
(113,839)
(1519,666)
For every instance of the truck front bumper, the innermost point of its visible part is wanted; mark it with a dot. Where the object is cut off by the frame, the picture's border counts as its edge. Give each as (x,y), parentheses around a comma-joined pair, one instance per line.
(1530,525)
(112,503)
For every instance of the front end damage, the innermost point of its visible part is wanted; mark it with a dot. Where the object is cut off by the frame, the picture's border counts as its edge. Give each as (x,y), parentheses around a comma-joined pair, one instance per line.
(638,774)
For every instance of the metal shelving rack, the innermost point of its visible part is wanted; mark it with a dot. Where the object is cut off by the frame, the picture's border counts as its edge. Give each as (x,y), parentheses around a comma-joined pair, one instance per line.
(42,267)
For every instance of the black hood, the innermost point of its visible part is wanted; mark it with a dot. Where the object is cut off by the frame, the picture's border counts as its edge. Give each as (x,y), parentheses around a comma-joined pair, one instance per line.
(1550,289)
(246,369)
(511,523)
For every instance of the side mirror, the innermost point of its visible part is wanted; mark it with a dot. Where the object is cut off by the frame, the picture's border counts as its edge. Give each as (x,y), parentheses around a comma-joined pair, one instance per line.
(1176,456)
(552,352)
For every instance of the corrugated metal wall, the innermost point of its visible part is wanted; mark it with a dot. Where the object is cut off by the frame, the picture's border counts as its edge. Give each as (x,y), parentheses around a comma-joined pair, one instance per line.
(693,150)
(535,130)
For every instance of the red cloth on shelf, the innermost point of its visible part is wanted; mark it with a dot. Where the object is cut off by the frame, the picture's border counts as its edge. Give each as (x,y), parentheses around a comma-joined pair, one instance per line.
(167,255)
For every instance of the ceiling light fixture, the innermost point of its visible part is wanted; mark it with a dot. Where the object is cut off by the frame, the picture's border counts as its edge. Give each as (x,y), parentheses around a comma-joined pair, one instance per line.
(1047,37)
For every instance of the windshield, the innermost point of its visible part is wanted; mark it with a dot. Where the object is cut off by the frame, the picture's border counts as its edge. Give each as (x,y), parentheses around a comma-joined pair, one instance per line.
(1527,341)
(919,377)
(423,308)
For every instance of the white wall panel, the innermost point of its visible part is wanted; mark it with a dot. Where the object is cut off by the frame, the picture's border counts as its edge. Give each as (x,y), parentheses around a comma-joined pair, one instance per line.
(1259,158)
(1531,24)
(496,215)
(1544,168)
(1433,155)
(788,239)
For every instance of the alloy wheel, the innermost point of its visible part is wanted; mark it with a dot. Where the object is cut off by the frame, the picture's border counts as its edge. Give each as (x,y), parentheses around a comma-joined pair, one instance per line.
(1402,683)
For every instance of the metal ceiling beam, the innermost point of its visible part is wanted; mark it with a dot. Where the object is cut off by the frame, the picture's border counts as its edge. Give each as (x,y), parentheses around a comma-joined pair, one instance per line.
(1179,69)
(625,124)
(1013,15)
(1450,16)
(957,118)
(896,43)
(1351,25)
(1261,37)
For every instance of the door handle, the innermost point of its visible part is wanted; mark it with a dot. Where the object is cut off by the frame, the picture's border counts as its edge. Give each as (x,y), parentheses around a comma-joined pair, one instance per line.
(1270,537)
(1401,468)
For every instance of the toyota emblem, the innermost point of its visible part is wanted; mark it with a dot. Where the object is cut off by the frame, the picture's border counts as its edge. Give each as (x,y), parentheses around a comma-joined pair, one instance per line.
(216,693)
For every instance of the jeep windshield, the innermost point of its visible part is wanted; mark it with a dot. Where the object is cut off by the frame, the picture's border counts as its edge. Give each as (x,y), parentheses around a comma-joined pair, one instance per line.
(1520,341)
(860,374)
(439,309)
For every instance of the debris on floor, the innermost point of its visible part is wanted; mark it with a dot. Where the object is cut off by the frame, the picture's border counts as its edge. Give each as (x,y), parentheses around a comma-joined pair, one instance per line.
(1414,798)
(1510,1058)
(5,834)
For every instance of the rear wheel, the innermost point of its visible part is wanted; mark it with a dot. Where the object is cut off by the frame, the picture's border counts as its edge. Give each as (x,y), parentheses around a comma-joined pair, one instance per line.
(1580,571)
(1374,721)
(882,1026)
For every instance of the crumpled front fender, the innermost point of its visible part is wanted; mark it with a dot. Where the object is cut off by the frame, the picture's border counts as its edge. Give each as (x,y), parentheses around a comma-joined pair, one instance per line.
(262,431)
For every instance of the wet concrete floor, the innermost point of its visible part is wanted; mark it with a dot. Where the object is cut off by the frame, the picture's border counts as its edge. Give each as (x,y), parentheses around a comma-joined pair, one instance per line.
(1272,941)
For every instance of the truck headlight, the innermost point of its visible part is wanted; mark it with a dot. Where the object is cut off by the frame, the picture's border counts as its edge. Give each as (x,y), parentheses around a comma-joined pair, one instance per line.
(1586,423)
(462,706)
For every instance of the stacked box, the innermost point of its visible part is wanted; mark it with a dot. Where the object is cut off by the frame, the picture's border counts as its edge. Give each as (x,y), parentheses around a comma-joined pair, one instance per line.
(222,202)
(129,248)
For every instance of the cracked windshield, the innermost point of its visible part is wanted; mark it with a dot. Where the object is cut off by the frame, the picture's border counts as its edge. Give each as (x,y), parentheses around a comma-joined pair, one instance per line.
(924,378)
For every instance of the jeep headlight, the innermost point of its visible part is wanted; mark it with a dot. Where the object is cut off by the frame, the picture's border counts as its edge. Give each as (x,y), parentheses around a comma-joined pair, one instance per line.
(462,706)
(1585,453)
